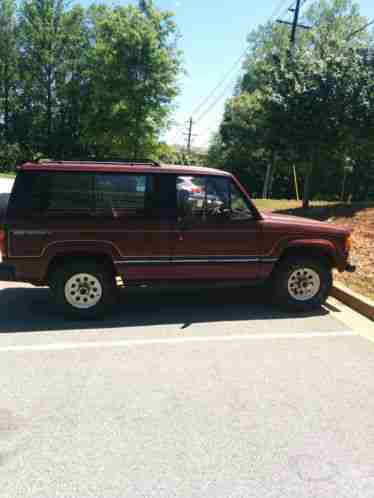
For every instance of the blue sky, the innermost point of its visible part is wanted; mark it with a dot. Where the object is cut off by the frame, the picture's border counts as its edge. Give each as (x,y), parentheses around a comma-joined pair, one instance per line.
(213,38)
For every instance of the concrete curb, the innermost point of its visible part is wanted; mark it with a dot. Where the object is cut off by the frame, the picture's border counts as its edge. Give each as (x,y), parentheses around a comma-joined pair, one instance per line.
(356,301)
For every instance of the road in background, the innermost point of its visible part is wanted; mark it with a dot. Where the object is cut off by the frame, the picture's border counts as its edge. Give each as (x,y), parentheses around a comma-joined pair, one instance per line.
(184,394)
(6,185)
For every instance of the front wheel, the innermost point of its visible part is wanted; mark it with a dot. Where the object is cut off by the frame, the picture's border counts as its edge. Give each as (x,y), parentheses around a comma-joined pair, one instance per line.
(303,283)
(84,289)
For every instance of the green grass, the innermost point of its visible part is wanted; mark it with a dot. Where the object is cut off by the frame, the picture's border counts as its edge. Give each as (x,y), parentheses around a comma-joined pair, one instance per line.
(7,175)
(280,204)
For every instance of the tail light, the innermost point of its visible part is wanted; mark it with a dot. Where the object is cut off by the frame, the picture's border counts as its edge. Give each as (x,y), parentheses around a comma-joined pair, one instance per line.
(2,243)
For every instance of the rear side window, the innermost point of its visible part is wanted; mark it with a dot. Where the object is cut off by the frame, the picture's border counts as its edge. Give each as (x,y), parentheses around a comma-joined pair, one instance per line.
(52,193)
(109,195)
(132,195)
(122,195)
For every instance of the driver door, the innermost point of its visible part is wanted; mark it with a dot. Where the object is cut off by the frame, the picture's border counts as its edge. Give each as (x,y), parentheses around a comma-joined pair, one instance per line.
(217,235)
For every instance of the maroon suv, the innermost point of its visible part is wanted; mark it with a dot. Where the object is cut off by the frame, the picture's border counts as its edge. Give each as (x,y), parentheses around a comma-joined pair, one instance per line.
(76,226)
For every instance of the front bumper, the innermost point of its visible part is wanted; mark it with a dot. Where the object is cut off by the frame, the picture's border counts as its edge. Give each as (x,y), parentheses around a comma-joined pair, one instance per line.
(7,273)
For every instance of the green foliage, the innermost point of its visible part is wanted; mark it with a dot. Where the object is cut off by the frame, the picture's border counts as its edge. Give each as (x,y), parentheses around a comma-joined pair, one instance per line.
(13,154)
(133,91)
(8,65)
(313,108)
(77,82)
(169,154)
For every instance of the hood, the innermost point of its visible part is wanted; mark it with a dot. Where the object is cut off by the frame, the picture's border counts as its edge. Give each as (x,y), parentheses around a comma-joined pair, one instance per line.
(299,224)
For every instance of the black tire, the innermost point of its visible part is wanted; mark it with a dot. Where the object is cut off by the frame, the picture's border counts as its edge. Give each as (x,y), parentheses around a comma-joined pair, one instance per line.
(291,285)
(101,275)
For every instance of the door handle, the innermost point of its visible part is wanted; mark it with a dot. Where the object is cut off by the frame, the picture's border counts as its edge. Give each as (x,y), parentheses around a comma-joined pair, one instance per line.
(182,227)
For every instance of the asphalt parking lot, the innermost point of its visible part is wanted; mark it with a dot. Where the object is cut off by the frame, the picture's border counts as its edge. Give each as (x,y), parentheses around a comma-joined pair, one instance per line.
(193,393)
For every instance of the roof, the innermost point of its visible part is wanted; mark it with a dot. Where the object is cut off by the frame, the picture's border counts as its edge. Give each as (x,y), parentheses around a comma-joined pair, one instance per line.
(120,167)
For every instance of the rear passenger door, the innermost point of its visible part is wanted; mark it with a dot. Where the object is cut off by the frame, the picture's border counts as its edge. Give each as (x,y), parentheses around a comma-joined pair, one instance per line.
(129,216)
(136,211)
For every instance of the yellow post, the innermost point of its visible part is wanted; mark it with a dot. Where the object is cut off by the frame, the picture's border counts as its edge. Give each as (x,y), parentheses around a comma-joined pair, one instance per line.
(296,184)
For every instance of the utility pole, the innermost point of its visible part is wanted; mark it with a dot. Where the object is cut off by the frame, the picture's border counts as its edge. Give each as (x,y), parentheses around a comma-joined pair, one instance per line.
(294,24)
(189,135)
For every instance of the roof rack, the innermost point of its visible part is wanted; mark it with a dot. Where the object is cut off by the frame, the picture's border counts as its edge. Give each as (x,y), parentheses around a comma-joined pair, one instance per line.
(114,160)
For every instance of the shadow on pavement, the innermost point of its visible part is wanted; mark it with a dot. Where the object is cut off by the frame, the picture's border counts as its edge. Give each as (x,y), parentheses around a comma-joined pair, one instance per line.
(32,309)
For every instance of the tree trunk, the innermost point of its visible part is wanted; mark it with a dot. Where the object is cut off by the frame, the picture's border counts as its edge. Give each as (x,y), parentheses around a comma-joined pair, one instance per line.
(342,195)
(49,110)
(307,181)
(268,178)
(6,103)
(266,182)
(271,179)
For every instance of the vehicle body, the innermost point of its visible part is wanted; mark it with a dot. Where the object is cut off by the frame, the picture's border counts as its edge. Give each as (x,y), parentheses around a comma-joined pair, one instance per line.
(147,224)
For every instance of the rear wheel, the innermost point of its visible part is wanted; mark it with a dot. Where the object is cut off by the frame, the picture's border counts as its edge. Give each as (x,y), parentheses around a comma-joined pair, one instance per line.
(303,283)
(84,289)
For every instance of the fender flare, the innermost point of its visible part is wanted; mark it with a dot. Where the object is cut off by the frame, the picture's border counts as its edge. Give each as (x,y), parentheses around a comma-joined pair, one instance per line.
(59,249)
(324,246)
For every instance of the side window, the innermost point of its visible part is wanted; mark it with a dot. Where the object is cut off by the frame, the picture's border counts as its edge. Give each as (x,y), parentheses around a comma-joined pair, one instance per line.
(240,209)
(209,196)
(69,193)
(122,195)
(52,193)
(202,196)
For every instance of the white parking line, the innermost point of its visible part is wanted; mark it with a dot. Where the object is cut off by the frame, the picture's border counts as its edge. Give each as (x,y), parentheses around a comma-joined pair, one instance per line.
(175,340)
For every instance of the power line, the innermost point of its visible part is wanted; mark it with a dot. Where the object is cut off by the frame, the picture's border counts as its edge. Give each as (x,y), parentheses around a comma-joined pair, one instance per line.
(221,82)
(233,67)
(226,75)
(217,99)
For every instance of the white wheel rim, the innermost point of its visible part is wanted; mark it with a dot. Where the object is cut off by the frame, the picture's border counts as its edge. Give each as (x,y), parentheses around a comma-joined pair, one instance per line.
(83,291)
(304,284)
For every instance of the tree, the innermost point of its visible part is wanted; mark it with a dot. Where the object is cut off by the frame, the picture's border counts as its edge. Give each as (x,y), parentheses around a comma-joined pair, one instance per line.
(8,65)
(42,51)
(326,107)
(133,90)
(73,84)
(316,105)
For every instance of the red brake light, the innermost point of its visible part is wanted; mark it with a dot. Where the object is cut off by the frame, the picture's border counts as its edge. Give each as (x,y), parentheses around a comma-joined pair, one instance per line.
(196,190)
(2,242)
